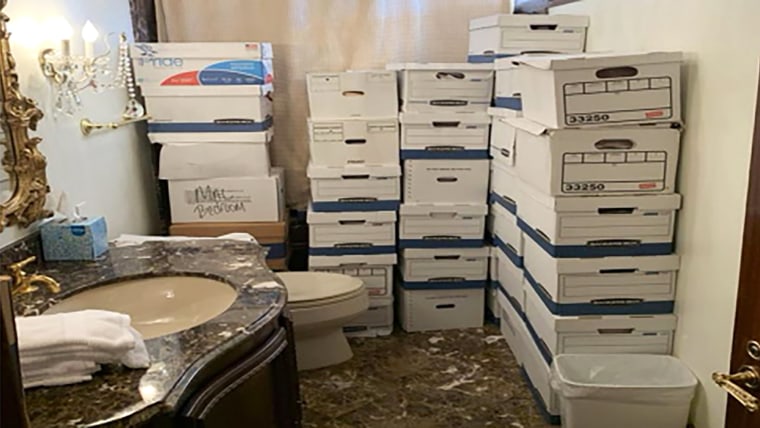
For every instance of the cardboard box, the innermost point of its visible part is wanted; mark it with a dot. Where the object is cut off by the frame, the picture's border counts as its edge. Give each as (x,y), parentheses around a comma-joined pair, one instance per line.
(503,136)
(446,181)
(266,233)
(509,323)
(425,310)
(194,161)
(445,87)
(238,199)
(586,90)
(426,268)
(202,64)
(505,186)
(601,161)
(507,234)
(366,94)
(209,109)
(510,279)
(375,270)
(602,286)
(376,321)
(343,142)
(355,187)
(507,84)
(256,138)
(444,136)
(498,35)
(345,233)
(578,226)
(606,334)
(442,225)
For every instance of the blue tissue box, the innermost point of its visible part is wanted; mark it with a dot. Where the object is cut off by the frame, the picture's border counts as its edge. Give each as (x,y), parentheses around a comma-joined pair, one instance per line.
(81,240)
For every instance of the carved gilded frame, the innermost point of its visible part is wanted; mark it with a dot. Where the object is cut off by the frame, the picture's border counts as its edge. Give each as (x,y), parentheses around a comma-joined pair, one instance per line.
(22,160)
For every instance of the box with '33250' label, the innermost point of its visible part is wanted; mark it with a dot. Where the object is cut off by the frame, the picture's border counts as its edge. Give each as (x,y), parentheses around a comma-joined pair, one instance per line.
(573,91)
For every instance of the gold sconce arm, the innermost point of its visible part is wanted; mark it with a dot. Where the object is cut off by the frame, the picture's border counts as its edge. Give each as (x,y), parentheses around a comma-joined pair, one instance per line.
(87,126)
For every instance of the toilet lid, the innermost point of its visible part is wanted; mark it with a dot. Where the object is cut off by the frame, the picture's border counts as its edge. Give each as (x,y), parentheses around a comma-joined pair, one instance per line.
(310,286)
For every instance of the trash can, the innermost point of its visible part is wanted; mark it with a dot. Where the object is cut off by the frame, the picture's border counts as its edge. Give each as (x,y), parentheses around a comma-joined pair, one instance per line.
(623,391)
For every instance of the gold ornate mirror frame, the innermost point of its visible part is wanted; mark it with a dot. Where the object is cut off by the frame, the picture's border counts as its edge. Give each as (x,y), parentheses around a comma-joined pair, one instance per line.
(22,160)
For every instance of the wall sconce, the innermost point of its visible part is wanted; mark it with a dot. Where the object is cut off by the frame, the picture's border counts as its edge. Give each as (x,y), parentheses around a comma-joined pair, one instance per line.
(69,74)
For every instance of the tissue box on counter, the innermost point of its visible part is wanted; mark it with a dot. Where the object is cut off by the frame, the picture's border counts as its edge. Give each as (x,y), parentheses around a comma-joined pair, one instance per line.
(78,240)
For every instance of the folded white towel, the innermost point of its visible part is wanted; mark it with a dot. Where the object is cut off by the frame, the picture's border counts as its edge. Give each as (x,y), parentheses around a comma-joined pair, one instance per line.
(57,381)
(40,374)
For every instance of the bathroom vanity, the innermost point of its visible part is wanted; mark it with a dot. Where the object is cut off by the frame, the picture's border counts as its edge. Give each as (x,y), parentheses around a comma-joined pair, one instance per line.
(236,370)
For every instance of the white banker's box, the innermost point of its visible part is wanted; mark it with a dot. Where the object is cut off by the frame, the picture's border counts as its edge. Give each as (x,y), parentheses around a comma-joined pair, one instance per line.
(209,108)
(342,142)
(360,232)
(256,138)
(377,320)
(606,334)
(366,94)
(446,180)
(504,34)
(509,323)
(510,277)
(435,225)
(599,161)
(507,84)
(376,270)
(355,187)
(174,65)
(209,160)
(602,285)
(444,135)
(584,226)
(425,310)
(503,137)
(573,91)
(444,265)
(445,87)
(505,230)
(505,186)
(234,199)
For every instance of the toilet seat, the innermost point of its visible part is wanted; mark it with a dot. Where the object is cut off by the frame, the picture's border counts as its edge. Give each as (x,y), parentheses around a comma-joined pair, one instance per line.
(307,289)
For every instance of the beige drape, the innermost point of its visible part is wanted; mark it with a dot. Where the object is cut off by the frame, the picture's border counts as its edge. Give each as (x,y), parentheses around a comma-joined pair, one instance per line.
(324,35)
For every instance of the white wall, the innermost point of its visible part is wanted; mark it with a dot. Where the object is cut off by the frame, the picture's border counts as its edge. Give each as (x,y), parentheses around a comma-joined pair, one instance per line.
(111,170)
(719,39)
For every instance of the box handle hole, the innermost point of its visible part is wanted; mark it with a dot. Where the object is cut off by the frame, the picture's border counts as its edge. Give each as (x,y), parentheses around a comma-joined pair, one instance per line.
(615,330)
(350,222)
(446,306)
(613,72)
(445,124)
(452,257)
(543,27)
(447,179)
(356,141)
(449,75)
(614,144)
(353,93)
(617,271)
(355,176)
(615,211)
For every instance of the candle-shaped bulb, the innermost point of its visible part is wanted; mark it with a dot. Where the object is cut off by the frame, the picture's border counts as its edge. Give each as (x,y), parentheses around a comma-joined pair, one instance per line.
(61,30)
(90,35)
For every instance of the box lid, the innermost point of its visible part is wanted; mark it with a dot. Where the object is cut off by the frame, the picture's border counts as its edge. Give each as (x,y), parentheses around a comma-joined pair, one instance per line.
(614,324)
(537,129)
(502,112)
(444,119)
(521,20)
(443,209)
(222,50)
(447,66)
(619,265)
(564,204)
(198,161)
(598,60)
(354,171)
(350,217)
(207,91)
(369,120)
(357,260)
(262,137)
(444,253)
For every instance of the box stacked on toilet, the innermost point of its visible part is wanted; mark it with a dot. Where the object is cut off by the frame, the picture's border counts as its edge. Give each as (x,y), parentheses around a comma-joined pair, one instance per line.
(596,160)
(444,150)
(211,111)
(355,185)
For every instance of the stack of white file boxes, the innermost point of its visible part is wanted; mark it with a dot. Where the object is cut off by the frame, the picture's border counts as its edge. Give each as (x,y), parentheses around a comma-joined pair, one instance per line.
(356,185)
(444,150)
(211,110)
(585,204)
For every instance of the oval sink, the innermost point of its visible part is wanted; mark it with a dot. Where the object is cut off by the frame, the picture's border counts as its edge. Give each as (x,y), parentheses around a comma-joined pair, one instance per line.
(158,306)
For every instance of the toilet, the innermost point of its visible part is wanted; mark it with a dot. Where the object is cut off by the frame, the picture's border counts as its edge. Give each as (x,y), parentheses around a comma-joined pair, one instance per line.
(321,304)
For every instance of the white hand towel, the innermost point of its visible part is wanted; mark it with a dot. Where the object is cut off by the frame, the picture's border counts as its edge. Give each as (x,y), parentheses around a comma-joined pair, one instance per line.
(57,381)
(33,374)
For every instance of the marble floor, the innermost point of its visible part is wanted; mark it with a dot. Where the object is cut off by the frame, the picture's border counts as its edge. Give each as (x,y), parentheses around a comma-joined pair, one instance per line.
(459,378)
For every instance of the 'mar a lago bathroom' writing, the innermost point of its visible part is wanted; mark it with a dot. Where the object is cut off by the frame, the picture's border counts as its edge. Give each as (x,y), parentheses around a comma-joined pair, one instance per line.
(212,201)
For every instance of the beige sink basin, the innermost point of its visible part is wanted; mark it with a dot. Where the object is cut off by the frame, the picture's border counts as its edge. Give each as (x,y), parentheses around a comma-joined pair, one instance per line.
(158,306)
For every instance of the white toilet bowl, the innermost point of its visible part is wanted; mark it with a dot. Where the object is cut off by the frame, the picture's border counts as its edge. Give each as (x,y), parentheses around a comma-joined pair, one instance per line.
(321,304)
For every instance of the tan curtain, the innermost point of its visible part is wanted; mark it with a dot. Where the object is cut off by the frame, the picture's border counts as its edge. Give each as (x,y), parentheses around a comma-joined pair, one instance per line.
(324,35)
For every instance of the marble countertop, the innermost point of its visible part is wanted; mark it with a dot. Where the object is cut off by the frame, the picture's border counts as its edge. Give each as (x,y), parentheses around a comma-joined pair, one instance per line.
(122,397)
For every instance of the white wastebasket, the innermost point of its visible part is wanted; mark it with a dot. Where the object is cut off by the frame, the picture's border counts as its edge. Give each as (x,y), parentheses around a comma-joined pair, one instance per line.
(623,391)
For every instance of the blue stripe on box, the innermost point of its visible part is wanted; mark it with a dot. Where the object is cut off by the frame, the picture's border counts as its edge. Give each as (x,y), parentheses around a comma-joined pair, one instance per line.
(494,284)
(586,251)
(440,243)
(614,307)
(442,285)
(512,301)
(350,251)
(508,251)
(486,58)
(491,317)
(511,103)
(210,127)
(510,206)
(355,206)
(548,417)
(444,154)
(276,251)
